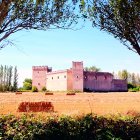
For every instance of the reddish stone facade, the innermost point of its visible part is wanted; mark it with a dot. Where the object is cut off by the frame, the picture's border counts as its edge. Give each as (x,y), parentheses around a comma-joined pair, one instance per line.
(39,76)
(75,78)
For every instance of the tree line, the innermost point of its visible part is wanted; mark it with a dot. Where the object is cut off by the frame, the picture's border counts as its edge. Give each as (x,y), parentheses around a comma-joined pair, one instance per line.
(133,78)
(8,78)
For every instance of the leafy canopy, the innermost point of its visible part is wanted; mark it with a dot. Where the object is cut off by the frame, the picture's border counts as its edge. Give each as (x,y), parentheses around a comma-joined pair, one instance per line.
(120,18)
(92,68)
(27,84)
(16,15)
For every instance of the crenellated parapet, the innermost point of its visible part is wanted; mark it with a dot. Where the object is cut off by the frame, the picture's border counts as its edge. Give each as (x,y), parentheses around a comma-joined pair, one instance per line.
(42,68)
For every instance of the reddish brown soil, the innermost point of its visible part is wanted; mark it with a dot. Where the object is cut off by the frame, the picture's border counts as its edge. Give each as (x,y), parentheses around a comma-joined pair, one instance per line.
(99,103)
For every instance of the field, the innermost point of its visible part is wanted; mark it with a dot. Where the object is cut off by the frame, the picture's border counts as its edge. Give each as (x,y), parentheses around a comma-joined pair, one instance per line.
(99,103)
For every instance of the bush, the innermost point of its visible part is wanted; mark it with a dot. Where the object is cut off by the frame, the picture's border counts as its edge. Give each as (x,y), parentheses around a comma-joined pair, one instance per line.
(68,128)
(133,88)
(43,89)
(130,86)
(136,89)
(34,89)
(73,91)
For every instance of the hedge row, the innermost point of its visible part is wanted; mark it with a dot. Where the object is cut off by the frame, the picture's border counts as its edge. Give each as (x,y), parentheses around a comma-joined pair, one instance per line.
(67,128)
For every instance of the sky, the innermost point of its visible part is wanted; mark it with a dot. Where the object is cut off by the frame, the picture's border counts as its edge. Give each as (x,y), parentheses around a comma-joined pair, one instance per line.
(57,48)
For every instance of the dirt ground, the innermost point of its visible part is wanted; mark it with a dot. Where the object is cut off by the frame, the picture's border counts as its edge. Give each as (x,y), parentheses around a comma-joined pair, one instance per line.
(81,103)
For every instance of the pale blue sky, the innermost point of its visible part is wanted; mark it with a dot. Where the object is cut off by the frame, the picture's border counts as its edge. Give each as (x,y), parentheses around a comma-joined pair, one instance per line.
(58,48)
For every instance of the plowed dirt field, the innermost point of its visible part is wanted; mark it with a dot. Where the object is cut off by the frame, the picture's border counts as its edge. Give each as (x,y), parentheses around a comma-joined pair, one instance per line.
(99,103)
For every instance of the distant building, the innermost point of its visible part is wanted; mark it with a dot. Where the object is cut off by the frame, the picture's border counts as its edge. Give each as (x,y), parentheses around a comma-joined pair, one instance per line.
(75,78)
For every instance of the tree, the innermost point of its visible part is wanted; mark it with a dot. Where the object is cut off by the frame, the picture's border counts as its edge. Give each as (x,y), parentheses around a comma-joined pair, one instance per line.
(27,84)
(120,18)
(16,15)
(92,68)
(138,79)
(133,79)
(123,74)
(15,80)
(10,74)
(5,78)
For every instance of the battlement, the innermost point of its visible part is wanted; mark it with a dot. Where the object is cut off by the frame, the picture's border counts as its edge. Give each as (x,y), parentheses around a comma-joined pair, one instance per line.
(42,68)
(77,65)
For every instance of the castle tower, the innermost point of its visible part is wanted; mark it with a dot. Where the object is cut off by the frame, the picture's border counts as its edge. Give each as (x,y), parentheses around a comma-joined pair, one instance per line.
(77,75)
(39,76)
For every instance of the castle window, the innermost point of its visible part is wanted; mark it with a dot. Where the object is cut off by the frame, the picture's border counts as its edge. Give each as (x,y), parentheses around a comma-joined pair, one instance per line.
(105,77)
(39,84)
(77,77)
(38,71)
(65,76)
(58,77)
(52,77)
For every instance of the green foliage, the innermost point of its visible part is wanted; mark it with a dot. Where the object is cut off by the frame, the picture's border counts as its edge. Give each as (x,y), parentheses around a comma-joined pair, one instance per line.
(73,91)
(28,80)
(123,74)
(68,128)
(7,75)
(136,89)
(133,88)
(119,18)
(15,80)
(27,84)
(34,89)
(92,68)
(23,90)
(16,15)
(43,89)
(130,85)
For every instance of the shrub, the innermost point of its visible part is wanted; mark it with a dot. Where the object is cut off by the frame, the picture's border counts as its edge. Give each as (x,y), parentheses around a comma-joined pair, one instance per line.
(130,86)
(34,89)
(68,128)
(136,89)
(43,89)
(73,91)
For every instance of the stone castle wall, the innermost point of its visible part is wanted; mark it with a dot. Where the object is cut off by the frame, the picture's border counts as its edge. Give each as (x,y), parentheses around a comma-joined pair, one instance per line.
(97,81)
(75,79)
(119,85)
(39,76)
(77,76)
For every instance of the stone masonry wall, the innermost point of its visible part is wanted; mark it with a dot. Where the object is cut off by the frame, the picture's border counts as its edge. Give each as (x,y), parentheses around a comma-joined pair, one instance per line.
(119,85)
(77,75)
(39,76)
(97,81)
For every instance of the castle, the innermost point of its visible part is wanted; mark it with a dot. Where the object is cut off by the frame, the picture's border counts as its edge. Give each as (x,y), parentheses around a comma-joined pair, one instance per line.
(75,78)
